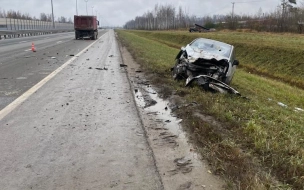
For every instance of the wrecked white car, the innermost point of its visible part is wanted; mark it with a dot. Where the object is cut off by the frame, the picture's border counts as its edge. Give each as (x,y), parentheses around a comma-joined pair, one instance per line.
(208,62)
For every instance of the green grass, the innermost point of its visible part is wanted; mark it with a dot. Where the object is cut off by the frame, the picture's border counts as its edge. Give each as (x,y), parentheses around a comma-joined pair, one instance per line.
(256,131)
(279,56)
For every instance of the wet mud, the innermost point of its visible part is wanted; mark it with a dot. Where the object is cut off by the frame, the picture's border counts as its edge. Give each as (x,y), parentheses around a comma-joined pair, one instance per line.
(179,164)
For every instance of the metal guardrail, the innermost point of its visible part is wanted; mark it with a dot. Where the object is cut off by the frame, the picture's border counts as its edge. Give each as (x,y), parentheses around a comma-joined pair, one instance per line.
(23,33)
(11,28)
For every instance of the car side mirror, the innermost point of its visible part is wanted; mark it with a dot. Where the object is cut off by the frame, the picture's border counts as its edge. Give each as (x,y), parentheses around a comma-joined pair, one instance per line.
(236,62)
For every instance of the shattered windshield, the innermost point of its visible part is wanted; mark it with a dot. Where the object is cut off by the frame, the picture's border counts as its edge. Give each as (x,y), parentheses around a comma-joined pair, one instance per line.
(214,47)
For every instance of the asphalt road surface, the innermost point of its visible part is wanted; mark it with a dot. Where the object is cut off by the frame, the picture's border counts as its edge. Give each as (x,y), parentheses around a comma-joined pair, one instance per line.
(20,68)
(68,119)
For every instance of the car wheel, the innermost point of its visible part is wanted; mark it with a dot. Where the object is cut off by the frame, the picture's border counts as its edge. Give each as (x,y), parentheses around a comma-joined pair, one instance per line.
(177,71)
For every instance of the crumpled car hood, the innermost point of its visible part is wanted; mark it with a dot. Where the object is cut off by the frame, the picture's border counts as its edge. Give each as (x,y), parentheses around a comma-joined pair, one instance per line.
(195,53)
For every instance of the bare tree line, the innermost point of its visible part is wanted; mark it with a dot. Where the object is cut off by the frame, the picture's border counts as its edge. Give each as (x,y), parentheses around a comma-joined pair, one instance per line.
(163,17)
(285,18)
(26,16)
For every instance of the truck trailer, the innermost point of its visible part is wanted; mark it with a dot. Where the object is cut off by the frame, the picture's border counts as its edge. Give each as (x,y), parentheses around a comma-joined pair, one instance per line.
(86,26)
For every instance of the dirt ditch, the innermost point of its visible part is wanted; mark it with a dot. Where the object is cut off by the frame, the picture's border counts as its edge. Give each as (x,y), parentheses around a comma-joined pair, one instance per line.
(179,161)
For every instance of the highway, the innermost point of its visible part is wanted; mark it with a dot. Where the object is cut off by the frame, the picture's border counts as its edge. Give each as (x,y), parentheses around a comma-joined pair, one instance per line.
(20,68)
(59,129)
(73,116)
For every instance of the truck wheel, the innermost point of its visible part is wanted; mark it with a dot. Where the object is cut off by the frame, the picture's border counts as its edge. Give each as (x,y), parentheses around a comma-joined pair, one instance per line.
(94,37)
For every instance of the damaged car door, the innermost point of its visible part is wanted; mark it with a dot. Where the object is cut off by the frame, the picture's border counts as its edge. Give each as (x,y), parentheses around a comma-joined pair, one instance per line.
(210,63)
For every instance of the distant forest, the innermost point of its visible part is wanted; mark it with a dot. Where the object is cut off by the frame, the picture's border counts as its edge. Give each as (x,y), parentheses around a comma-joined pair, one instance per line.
(27,16)
(287,17)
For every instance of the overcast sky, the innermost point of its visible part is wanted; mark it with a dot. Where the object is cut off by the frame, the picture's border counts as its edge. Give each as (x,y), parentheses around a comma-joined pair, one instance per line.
(118,12)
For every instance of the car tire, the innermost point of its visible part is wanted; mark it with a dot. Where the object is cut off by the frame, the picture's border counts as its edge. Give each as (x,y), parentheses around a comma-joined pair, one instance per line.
(176,72)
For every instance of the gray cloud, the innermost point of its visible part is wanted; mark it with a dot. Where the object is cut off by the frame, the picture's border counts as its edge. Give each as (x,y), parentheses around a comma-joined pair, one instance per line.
(118,12)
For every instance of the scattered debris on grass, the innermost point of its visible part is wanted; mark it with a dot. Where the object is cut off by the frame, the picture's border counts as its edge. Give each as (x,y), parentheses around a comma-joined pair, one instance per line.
(299,109)
(281,104)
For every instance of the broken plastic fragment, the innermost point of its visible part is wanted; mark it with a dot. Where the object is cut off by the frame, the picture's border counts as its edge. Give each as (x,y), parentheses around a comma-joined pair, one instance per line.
(281,104)
(298,109)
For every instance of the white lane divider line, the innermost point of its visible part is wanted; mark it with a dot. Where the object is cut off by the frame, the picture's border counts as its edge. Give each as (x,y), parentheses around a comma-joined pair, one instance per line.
(28,50)
(9,108)
(22,42)
(59,42)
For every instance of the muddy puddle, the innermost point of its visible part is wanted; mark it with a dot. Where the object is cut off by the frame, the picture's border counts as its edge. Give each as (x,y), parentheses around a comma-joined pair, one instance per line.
(151,104)
(178,163)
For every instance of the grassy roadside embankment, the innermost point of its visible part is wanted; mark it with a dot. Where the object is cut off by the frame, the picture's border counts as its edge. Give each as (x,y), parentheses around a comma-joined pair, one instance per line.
(278,56)
(258,138)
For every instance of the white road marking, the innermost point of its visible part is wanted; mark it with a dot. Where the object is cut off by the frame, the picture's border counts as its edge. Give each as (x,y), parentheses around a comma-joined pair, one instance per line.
(28,50)
(9,108)
(22,42)
(59,42)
